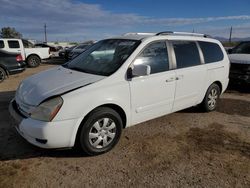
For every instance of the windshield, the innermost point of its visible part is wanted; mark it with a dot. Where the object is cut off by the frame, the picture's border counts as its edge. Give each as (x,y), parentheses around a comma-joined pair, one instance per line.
(104,57)
(242,48)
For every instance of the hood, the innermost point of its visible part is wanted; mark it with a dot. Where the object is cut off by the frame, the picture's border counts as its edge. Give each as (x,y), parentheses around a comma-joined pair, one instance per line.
(55,81)
(239,58)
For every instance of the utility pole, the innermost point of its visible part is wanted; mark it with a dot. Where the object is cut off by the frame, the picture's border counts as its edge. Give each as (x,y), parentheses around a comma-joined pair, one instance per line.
(45,33)
(230,36)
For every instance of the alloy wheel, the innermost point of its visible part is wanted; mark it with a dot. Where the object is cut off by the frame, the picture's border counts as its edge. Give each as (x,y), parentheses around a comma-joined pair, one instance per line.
(212,98)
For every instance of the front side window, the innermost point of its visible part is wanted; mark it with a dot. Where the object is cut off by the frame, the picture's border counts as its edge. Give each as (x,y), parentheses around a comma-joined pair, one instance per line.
(104,57)
(156,56)
(13,44)
(186,53)
(1,44)
(211,52)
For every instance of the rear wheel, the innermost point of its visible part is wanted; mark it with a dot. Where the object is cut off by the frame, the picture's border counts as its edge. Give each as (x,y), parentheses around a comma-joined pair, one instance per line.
(100,132)
(33,61)
(210,100)
(2,74)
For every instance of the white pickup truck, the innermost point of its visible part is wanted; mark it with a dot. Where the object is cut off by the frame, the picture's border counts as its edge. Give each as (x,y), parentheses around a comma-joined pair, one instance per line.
(32,56)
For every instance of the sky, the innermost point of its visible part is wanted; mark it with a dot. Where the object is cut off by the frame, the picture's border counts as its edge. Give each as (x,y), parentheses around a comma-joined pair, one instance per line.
(81,20)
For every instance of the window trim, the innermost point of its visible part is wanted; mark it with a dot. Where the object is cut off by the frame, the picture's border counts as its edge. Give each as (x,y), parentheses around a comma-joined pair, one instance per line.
(174,55)
(170,66)
(202,58)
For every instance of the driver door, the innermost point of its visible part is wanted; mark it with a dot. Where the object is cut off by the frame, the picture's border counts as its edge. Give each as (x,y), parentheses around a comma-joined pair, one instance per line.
(152,95)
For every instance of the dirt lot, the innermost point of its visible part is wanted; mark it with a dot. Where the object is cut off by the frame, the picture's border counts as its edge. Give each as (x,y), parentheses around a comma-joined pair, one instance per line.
(184,149)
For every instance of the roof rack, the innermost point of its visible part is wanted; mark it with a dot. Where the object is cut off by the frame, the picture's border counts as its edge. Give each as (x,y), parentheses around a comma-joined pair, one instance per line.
(182,33)
(171,33)
(126,34)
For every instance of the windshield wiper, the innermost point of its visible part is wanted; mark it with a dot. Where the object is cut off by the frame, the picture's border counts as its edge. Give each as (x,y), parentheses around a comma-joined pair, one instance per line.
(79,69)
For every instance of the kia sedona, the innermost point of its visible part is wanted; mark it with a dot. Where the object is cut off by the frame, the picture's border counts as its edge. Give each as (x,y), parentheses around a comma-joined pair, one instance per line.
(116,83)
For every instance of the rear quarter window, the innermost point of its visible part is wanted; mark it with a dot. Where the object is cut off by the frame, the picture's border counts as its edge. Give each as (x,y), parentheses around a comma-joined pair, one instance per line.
(211,52)
(13,44)
(1,44)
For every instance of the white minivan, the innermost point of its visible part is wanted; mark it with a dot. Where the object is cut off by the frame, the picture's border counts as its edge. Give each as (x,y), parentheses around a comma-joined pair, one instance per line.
(117,83)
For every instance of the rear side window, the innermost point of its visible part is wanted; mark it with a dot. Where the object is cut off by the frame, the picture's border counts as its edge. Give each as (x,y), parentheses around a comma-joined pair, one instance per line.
(211,52)
(186,53)
(156,56)
(13,44)
(1,44)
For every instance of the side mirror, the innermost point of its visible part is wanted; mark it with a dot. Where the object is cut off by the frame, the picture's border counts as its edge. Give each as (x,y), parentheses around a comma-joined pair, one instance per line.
(141,70)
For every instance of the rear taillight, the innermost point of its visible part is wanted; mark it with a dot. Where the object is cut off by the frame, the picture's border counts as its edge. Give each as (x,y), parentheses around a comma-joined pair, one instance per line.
(19,58)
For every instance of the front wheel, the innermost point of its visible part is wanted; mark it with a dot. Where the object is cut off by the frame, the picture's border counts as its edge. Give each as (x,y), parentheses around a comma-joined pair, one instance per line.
(2,75)
(210,100)
(100,132)
(33,61)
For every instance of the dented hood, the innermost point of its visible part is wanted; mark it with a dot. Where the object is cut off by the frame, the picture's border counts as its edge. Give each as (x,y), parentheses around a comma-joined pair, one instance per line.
(55,81)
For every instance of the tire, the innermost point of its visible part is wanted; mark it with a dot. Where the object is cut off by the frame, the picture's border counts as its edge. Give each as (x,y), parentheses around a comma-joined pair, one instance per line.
(210,100)
(2,74)
(33,61)
(100,132)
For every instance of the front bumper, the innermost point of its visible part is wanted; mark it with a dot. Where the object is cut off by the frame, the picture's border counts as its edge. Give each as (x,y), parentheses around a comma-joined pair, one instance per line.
(59,134)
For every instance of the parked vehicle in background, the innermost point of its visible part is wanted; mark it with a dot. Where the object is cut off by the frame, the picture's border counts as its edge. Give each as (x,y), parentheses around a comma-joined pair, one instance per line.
(27,44)
(117,83)
(65,52)
(53,50)
(32,56)
(10,63)
(78,50)
(239,58)
(43,45)
(59,48)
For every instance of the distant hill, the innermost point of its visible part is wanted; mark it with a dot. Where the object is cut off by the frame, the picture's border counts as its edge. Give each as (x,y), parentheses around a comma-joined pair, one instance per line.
(222,39)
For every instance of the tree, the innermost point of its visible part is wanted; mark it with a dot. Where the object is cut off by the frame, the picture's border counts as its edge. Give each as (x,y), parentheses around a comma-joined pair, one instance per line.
(8,32)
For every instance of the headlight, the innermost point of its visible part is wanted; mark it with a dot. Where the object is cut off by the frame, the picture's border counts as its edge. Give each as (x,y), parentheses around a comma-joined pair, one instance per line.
(47,110)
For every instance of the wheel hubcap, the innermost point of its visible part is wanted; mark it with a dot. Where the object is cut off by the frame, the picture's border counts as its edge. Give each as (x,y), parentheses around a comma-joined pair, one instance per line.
(212,98)
(33,61)
(102,133)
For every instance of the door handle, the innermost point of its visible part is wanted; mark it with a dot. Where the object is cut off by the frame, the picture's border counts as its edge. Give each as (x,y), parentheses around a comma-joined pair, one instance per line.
(170,79)
(179,77)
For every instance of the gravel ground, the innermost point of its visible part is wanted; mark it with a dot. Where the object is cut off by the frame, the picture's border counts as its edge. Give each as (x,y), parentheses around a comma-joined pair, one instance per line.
(184,149)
